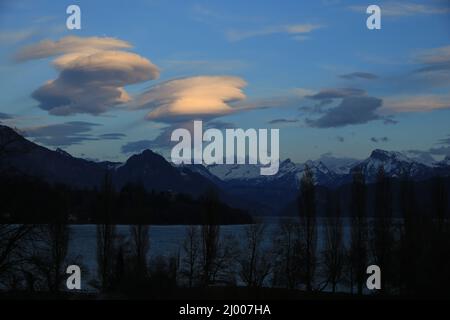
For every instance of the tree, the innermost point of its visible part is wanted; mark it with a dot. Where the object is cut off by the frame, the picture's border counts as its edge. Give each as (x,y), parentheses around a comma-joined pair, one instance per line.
(440,202)
(210,236)
(334,252)
(13,247)
(191,248)
(382,239)
(307,214)
(407,209)
(106,235)
(359,232)
(289,255)
(140,244)
(255,260)
(50,257)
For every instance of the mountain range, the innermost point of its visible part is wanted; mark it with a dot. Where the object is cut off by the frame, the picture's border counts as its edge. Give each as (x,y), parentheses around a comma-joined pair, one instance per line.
(238,185)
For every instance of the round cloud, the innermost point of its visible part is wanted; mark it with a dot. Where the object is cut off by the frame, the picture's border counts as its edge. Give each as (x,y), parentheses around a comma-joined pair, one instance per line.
(194,96)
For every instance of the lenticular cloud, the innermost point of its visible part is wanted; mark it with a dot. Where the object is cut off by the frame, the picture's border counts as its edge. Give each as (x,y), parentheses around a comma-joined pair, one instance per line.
(92,74)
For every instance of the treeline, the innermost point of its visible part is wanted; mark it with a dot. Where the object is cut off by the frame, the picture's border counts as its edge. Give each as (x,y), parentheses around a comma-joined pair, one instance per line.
(29,200)
(304,254)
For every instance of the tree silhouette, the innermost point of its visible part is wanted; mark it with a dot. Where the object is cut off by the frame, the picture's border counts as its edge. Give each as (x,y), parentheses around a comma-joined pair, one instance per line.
(210,236)
(255,261)
(382,239)
(191,250)
(334,252)
(106,235)
(13,246)
(307,214)
(289,252)
(359,232)
(140,244)
(50,257)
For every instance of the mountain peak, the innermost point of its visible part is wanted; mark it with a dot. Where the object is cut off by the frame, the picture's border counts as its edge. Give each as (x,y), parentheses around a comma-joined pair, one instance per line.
(63,152)
(384,155)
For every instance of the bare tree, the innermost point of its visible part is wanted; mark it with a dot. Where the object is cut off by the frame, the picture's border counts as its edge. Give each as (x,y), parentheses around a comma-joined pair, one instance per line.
(223,268)
(191,250)
(50,256)
(307,214)
(359,232)
(210,236)
(382,239)
(106,236)
(140,246)
(334,252)
(289,255)
(255,260)
(13,247)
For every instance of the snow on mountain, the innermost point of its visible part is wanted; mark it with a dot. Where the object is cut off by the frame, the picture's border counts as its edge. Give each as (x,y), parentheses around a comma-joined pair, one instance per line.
(395,165)
(421,157)
(288,172)
(328,170)
(339,165)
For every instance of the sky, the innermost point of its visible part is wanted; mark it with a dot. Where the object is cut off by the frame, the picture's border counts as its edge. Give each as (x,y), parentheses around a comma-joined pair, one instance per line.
(312,69)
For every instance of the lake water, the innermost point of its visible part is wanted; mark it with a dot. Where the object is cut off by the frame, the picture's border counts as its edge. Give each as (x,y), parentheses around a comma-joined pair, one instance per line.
(167,240)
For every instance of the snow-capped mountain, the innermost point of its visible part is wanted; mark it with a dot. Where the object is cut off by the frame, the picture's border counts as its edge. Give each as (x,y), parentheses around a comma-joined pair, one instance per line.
(421,157)
(332,173)
(395,165)
(288,172)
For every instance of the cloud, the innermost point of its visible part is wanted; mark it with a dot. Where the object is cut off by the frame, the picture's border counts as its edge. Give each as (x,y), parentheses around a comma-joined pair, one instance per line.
(9,37)
(91,76)
(281,121)
(201,97)
(63,134)
(420,155)
(203,66)
(69,44)
(389,120)
(381,139)
(332,93)
(418,103)
(435,65)
(351,110)
(5,116)
(162,140)
(434,55)
(404,8)
(294,29)
(444,141)
(137,146)
(112,136)
(445,151)
(359,75)
(68,133)
(442,150)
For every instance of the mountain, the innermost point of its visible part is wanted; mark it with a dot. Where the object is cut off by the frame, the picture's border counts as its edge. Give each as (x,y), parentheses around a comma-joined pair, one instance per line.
(22,156)
(395,165)
(270,192)
(240,186)
(277,191)
(156,173)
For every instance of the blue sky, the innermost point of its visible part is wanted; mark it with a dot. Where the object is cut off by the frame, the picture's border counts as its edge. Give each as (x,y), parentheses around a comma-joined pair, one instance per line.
(310,68)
